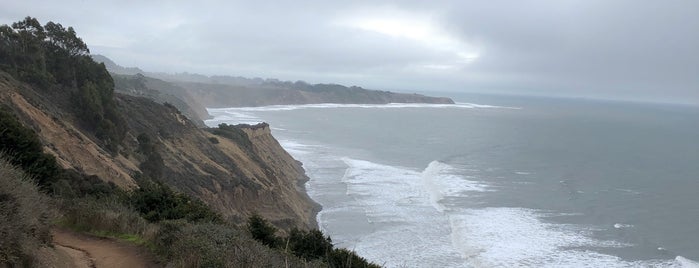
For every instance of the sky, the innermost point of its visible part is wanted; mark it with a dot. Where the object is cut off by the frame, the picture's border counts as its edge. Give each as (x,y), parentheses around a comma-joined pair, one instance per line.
(622,49)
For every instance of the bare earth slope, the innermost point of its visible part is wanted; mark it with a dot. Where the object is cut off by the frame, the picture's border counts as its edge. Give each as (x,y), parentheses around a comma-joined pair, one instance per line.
(235,177)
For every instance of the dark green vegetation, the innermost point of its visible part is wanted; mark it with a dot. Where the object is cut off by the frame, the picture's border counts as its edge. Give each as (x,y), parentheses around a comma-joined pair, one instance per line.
(308,245)
(234,133)
(157,202)
(56,59)
(24,217)
(23,147)
(181,230)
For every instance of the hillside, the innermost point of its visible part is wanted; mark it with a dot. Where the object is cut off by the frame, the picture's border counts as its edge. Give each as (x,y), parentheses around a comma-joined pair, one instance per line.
(68,100)
(227,175)
(161,92)
(123,168)
(229,91)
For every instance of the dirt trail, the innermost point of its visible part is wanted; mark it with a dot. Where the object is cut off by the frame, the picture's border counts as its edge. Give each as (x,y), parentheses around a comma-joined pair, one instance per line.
(90,251)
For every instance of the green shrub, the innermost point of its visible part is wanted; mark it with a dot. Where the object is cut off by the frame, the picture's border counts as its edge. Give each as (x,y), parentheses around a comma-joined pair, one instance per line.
(183,244)
(263,231)
(345,258)
(24,217)
(157,202)
(24,149)
(234,134)
(309,244)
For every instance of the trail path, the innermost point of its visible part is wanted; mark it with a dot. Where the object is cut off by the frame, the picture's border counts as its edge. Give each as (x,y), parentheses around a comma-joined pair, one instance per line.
(94,252)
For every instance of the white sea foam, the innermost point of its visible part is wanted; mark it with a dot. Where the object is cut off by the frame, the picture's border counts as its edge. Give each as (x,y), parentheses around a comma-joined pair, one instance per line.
(440,180)
(462,105)
(686,263)
(622,225)
(628,191)
(517,237)
(407,217)
(230,116)
(410,225)
(405,208)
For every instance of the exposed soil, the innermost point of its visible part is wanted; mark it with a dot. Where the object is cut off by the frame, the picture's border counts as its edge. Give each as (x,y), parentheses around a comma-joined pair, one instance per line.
(90,251)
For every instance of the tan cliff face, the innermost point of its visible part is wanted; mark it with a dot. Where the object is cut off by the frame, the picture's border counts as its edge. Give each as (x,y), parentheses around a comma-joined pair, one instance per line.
(236,178)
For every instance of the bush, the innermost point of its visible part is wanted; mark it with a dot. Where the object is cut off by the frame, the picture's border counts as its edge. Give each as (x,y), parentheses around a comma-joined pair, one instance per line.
(105,216)
(24,149)
(234,134)
(345,258)
(24,217)
(157,202)
(309,244)
(263,231)
(183,244)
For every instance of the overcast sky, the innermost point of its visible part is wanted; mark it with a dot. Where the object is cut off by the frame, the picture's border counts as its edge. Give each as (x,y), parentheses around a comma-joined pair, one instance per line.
(640,50)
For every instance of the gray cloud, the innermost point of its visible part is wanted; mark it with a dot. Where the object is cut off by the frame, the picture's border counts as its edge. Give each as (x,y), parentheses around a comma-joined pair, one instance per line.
(641,50)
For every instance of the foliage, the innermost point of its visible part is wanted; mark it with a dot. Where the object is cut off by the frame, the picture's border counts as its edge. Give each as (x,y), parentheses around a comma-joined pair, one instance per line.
(53,55)
(183,244)
(233,133)
(24,149)
(157,202)
(263,231)
(72,184)
(341,257)
(308,245)
(24,217)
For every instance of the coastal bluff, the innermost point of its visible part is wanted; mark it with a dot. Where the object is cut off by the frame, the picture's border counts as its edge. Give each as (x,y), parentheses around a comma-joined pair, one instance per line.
(236,177)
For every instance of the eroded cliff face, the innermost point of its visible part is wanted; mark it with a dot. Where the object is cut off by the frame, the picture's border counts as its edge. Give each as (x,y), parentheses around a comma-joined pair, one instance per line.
(235,177)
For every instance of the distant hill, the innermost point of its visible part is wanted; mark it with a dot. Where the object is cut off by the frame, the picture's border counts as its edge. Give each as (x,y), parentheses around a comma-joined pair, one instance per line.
(115,68)
(162,92)
(234,91)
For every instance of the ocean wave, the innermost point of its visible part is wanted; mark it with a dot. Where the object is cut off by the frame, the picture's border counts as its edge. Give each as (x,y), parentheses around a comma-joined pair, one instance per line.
(685,263)
(406,222)
(405,208)
(517,237)
(461,105)
(440,180)
(622,225)
(230,117)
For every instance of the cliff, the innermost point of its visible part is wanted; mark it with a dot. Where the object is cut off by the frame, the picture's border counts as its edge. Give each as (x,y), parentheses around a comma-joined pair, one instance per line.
(192,92)
(161,92)
(235,177)
(280,93)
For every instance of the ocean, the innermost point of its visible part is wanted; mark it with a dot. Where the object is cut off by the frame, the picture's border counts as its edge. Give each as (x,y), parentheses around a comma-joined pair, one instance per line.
(499,181)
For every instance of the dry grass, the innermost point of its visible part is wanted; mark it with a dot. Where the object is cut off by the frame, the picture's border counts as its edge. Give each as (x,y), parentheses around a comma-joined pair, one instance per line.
(107,217)
(25,217)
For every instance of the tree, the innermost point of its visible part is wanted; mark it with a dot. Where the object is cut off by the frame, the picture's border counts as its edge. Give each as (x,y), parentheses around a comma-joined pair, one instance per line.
(309,244)
(263,231)
(65,39)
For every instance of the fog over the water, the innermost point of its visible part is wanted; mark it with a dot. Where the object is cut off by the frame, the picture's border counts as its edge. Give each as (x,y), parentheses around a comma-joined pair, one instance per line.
(635,50)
